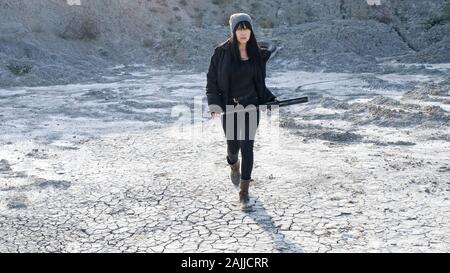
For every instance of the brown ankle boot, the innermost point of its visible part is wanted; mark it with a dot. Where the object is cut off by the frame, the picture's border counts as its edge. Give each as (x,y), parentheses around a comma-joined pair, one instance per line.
(243,194)
(235,174)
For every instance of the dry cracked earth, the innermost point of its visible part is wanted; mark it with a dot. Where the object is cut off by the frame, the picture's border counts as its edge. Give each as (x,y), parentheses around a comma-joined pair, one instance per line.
(330,182)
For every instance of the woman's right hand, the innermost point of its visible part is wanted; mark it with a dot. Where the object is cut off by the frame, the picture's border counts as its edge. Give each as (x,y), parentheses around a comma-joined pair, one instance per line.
(214,114)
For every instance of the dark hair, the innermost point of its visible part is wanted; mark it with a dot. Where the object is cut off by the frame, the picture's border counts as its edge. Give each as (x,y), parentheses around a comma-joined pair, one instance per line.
(253,50)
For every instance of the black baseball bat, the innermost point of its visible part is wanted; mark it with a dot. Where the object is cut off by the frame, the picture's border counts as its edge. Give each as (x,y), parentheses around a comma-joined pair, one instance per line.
(279,103)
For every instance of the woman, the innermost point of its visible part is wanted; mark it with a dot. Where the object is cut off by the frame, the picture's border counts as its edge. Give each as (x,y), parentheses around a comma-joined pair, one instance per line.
(236,78)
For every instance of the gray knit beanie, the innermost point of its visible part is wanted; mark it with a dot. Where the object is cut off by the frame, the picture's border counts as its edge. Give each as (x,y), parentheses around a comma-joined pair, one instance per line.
(237,18)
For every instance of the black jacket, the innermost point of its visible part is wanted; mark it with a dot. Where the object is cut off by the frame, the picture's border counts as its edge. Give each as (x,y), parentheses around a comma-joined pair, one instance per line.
(218,77)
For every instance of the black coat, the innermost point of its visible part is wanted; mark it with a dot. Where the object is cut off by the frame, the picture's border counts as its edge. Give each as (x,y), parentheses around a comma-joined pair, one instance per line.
(218,77)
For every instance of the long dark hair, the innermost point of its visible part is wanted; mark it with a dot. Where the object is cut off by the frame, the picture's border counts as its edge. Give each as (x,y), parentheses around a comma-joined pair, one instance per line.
(253,50)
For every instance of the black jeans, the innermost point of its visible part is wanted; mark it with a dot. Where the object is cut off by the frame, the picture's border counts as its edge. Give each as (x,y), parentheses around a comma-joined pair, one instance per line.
(245,126)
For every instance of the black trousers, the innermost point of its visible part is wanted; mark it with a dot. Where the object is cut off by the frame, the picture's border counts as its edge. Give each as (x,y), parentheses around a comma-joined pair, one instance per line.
(240,131)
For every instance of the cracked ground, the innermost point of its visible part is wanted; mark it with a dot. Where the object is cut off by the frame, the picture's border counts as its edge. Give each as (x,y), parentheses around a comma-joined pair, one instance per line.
(367,174)
(156,192)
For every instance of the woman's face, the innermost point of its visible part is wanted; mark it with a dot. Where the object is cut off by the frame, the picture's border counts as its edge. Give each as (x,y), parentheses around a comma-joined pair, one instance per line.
(243,34)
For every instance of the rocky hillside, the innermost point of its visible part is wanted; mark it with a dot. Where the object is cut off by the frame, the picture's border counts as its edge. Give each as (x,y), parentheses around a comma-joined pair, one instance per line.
(49,41)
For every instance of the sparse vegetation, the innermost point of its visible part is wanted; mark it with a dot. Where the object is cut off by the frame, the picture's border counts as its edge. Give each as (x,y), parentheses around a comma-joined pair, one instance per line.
(266,22)
(85,28)
(162,3)
(445,17)
(89,29)
(147,43)
(220,2)
(103,52)
(381,13)
(19,69)
(255,6)
(432,22)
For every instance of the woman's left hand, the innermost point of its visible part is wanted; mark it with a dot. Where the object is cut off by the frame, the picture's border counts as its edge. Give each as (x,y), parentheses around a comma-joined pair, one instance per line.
(274,99)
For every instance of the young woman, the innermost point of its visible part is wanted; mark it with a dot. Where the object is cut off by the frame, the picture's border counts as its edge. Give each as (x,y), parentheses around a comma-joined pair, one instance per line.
(236,80)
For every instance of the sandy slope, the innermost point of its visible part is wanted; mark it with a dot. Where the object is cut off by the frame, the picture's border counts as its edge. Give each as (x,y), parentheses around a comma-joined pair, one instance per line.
(47,42)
